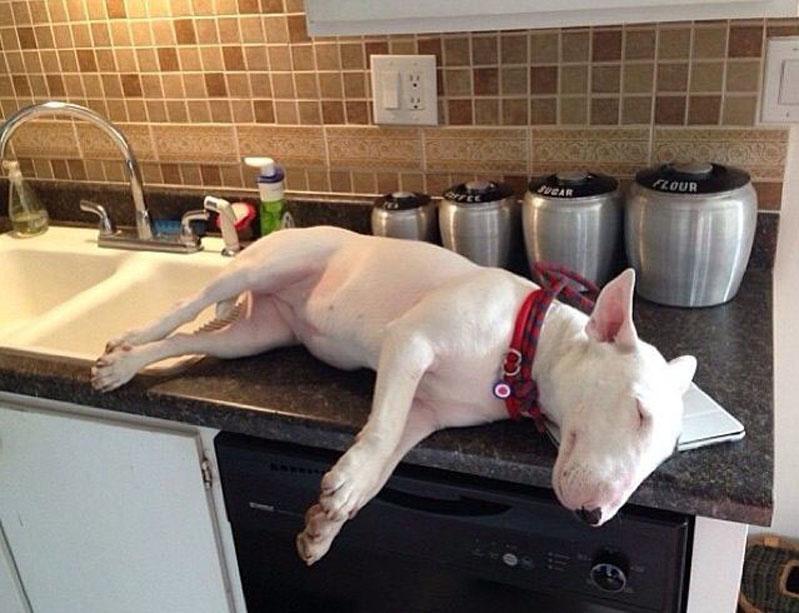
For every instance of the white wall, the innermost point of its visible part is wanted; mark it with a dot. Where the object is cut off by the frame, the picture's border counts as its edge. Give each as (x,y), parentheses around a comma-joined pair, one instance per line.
(786,353)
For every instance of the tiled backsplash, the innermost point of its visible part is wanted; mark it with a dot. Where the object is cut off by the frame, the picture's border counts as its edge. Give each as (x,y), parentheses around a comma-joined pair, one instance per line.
(197,84)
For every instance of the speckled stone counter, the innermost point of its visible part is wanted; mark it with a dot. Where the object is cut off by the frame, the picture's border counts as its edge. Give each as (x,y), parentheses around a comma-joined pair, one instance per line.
(288,395)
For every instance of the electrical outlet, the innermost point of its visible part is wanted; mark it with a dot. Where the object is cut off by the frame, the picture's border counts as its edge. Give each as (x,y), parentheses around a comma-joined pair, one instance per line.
(404,89)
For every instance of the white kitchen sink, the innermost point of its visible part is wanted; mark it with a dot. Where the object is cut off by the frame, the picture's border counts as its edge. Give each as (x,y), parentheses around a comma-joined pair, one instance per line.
(65,296)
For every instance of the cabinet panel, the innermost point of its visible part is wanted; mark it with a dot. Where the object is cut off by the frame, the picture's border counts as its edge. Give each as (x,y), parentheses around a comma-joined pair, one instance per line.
(327,18)
(106,517)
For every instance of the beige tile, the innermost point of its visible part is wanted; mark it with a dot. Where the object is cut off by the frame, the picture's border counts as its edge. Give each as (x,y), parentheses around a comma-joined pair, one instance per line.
(544,47)
(514,80)
(672,77)
(476,149)
(375,148)
(573,79)
(739,110)
(616,151)
(574,110)
(543,111)
(458,82)
(486,111)
(514,111)
(639,44)
(574,46)
(303,146)
(194,143)
(743,76)
(638,78)
(710,42)
(636,110)
(707,76)
(674,43)
(604,111)
(605,78)
(761,151)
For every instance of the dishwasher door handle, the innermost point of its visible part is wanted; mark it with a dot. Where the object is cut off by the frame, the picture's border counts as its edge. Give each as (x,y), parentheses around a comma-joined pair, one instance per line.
(462,506)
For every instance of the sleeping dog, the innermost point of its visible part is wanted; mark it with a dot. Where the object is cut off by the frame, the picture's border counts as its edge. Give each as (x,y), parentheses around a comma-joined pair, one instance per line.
(436,328)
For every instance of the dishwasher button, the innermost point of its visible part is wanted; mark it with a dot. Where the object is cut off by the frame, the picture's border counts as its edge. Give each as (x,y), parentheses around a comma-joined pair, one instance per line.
(510,559)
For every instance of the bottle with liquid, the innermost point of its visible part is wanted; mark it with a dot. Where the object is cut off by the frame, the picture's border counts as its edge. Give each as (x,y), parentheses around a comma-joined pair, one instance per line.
(272,211)
(28,217)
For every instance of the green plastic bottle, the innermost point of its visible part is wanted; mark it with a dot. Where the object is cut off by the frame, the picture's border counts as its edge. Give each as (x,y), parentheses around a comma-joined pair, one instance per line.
(272,211)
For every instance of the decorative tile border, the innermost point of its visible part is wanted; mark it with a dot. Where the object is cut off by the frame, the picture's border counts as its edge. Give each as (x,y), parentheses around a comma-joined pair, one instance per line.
(477,150)
(760,151)
(95,144)
(616,151)
(374,148)
(293,146)
(198,143)
(46,138)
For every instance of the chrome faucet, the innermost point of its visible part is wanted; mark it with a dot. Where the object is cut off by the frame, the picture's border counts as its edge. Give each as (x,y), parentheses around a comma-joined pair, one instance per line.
(145,238)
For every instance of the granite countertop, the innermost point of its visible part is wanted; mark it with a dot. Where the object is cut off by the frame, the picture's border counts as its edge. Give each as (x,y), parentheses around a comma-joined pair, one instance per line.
(289,395)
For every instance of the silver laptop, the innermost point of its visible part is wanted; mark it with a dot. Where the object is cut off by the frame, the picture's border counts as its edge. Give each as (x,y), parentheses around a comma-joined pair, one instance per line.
(704,423)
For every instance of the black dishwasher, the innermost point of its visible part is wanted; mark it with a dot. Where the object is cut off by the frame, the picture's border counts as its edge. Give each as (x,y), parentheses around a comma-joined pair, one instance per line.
(433,541)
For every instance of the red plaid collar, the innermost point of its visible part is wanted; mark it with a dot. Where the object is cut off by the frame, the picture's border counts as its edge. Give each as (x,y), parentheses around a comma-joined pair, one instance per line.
(516,386)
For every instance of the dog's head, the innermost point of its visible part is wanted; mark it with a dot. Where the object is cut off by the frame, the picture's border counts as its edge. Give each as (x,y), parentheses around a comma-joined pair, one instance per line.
(625,409)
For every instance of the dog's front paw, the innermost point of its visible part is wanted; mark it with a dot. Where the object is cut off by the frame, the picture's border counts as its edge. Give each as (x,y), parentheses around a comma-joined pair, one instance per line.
(351,483)
(315,540)
(115,368)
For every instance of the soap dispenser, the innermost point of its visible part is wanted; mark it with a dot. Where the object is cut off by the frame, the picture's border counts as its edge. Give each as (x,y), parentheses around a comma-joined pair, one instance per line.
(272,211)
(28,216)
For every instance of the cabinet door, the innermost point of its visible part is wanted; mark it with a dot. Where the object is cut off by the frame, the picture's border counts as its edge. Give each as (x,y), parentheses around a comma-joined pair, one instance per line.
(107,517)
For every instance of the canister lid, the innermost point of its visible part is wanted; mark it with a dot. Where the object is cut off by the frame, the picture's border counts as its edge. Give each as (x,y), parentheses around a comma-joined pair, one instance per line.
(574,184)
(401,201)
(692,178)
(475,192)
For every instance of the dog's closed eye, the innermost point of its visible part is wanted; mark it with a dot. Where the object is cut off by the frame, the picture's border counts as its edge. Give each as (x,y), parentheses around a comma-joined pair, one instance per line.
(643,416)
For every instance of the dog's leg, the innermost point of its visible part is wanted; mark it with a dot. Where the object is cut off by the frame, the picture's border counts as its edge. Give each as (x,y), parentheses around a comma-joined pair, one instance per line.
(404,359)
(320,531)
(266,267)
(224,288)
(262,329)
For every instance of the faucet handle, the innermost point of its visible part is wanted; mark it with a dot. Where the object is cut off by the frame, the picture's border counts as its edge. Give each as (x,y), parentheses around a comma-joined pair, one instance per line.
(227,223)
(187,234)
(106,224)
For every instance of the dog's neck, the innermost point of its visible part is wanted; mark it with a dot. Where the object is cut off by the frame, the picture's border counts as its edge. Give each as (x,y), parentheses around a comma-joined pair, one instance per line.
(562,335)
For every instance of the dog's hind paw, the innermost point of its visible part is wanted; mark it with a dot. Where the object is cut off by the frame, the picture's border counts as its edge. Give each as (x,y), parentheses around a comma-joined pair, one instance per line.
(114,369)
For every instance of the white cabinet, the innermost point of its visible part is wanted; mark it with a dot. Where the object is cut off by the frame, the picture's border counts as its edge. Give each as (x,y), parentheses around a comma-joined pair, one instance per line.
(101,516)
(344,17)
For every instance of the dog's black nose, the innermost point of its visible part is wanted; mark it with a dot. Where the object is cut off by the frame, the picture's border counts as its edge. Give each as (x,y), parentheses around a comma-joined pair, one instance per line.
(590,516)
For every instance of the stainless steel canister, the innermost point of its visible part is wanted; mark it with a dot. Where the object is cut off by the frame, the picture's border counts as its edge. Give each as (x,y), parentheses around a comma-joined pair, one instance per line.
(405,215)
(574,219)
(689,230)
(480,220)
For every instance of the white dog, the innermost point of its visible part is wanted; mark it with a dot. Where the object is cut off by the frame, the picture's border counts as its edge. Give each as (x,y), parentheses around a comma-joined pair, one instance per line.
(436,328)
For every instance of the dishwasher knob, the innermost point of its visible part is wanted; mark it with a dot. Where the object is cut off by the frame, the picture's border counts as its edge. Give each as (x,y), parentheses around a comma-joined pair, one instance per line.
(609,572)
(510,559)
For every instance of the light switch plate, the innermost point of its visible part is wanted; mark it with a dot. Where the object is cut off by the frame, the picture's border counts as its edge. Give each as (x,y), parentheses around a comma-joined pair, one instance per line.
(404,90)
(780,99)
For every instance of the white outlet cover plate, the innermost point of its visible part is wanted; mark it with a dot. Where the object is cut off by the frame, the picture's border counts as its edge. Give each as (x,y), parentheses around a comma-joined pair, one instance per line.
(780,100)
(404,90)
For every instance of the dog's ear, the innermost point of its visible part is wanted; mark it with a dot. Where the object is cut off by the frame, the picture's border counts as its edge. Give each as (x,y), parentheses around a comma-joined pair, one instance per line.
(682,371)
(612,319)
